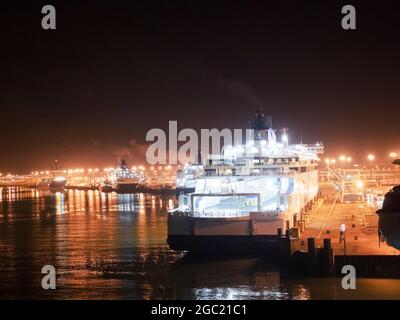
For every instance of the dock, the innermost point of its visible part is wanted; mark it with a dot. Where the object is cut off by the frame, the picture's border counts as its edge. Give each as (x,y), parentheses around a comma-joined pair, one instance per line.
(360,219)
(317,250)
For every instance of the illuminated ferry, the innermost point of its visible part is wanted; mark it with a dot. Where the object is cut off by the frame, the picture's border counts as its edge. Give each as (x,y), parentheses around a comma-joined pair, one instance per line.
(246,193)
(56,184)
(124,180)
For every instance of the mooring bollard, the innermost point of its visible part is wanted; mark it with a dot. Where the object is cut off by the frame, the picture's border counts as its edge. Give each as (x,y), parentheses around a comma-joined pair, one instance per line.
(279,233)
(327,259)
(302,225)
(283,253)
(312,267)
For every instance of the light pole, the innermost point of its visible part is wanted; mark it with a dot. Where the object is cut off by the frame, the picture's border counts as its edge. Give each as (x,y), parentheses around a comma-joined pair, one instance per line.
(333,162)
(349,160)
(342,159)
(327,161)
(371,158)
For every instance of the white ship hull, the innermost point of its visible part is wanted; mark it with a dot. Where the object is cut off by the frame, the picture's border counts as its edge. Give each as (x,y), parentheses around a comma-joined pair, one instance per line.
(252,232)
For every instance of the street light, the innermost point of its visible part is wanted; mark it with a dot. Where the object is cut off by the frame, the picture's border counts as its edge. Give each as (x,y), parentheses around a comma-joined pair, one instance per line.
(330,161)
(371,158)
(393,155)
(342,159)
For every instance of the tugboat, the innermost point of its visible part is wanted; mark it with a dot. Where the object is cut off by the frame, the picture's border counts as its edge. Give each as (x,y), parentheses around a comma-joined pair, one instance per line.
(106,186)
(43,184)
(56,184)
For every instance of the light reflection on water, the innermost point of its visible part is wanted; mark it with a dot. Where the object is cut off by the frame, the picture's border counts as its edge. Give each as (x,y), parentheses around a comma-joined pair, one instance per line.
(109,246)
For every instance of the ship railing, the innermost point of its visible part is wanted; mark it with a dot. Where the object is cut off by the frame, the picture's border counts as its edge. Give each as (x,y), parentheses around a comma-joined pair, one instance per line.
(214,214)
(262,173)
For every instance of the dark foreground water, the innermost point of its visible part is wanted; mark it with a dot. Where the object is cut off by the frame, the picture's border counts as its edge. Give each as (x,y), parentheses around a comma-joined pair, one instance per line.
(109,246)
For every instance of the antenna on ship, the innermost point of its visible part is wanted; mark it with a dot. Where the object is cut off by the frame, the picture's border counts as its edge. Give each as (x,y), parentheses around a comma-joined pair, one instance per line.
(301,136)
(285,138)
(123,164)
(199,159)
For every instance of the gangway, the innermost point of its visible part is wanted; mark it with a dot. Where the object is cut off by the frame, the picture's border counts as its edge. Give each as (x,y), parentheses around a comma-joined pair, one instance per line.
(348,182)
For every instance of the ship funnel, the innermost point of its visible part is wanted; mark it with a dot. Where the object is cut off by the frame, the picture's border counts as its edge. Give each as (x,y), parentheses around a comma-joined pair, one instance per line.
(260,124)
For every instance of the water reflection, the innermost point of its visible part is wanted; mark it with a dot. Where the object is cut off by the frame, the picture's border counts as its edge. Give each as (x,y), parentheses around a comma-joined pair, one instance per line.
(109,246)
(103,245)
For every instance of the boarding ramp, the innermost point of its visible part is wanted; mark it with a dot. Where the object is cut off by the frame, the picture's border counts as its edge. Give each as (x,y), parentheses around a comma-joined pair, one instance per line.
(348,182)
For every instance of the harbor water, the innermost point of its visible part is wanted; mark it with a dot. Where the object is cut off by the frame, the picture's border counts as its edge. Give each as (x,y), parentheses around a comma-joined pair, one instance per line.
(113,246)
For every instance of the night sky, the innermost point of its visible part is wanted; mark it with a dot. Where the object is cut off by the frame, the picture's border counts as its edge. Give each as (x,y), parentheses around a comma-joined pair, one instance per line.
(87,92)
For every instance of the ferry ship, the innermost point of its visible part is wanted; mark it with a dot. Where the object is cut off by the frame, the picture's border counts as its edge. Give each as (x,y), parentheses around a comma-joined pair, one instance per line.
(56,184)
(246,193)
(124,180)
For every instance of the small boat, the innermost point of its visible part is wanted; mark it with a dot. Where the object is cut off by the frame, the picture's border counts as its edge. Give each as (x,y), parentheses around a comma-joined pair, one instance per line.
(106,187)
(56,184)
(43,184)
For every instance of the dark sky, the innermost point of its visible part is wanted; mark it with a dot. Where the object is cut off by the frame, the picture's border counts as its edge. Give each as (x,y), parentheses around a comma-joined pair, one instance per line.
(113,70)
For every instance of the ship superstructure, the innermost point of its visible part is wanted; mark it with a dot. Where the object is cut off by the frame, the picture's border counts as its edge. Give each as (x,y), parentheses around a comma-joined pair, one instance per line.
(247,192)
(122,179)
(186,178)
